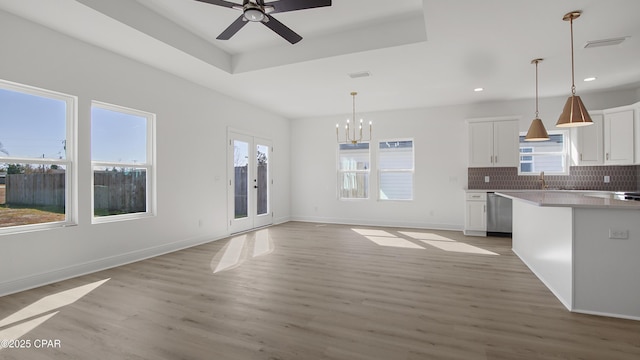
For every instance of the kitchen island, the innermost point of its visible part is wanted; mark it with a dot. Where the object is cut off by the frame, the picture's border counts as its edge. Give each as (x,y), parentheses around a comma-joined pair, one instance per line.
(584,246)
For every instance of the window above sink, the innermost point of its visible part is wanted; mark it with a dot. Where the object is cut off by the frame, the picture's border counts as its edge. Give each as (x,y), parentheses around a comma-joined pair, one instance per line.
(550,157)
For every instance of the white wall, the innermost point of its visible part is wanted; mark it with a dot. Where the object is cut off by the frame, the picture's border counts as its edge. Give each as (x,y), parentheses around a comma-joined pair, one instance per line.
(440,162)
(441,145)
(191,134)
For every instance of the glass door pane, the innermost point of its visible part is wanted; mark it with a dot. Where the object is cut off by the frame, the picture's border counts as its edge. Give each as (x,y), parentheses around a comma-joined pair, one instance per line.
(241,178)
(262,179)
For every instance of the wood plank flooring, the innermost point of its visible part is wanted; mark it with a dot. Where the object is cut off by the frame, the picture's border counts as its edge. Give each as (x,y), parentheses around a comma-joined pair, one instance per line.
(320,292)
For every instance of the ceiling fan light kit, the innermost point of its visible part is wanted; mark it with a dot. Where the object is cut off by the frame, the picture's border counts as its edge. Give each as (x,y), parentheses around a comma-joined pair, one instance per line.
(254,14)
(574,113)
(260,12)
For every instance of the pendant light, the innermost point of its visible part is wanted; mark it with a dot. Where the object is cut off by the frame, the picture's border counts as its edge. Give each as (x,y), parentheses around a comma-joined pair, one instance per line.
(574,112)
(536,132)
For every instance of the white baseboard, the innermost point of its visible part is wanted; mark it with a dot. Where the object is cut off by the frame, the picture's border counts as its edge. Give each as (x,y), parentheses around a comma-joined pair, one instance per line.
(366,222)
(599,313)
(37,280)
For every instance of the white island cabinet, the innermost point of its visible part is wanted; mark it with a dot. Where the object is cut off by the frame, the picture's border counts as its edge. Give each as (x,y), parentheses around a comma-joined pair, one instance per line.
(585,247)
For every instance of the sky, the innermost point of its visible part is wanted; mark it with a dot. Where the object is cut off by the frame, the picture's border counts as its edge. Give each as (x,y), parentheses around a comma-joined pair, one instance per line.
(34,127)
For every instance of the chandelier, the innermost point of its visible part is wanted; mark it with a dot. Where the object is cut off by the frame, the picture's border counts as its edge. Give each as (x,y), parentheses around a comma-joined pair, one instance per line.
(351,134)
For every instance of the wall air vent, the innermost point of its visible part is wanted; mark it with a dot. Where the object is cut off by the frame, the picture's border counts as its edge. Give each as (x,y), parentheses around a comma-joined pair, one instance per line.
(604,42)
(360,74)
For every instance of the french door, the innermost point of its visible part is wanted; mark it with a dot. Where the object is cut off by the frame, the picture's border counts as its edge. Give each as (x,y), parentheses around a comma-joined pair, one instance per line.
(249,182)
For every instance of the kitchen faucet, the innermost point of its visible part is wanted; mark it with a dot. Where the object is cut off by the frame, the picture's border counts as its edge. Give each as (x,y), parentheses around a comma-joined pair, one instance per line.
(543,183)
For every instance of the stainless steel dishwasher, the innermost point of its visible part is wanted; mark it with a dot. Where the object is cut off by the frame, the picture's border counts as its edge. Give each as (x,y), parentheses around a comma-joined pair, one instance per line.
(499,215)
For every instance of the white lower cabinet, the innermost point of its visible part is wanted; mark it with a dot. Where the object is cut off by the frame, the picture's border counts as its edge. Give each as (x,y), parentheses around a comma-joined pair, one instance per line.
(475,222)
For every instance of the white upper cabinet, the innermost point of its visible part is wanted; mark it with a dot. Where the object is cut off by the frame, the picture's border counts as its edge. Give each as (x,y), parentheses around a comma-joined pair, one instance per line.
(589,142)
(619,136)
(493,143)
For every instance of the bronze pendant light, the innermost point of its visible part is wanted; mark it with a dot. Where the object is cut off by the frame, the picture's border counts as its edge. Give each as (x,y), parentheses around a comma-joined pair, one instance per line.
(536,132)
(574,112)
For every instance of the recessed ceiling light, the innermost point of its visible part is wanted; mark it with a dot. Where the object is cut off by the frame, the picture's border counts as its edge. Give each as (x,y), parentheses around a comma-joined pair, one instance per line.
(478,89)
(590,78)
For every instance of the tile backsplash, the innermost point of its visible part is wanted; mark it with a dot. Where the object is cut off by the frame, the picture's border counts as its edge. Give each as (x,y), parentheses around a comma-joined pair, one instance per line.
(622,178)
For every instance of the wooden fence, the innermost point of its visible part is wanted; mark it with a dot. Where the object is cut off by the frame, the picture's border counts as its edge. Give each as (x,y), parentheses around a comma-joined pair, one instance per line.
(35,189)
(119,192)
(114,192)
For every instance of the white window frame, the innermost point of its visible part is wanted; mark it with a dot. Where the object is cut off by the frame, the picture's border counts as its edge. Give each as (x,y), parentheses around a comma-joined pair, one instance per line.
(564,153)
(340,173)
(69,162)
(411,170)
(148,166)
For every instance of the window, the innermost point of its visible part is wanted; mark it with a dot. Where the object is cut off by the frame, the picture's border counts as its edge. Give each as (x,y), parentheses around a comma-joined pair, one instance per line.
(353,171)
(36,158)
(395,169)
(122,162)
(550,156)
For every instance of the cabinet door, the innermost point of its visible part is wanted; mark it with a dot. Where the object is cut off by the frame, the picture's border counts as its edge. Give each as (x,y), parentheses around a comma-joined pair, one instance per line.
(506,143)
(618,138)
(481,144)
(590,142)
(476,216)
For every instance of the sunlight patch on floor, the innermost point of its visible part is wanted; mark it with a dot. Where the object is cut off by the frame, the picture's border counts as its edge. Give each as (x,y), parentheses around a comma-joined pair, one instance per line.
(394,242)
(458,247)
(425,236)
(51,302)
(385,238)
(41,310)
(231,255)
(17,331)
(372,232)
(242,248)
(262,244)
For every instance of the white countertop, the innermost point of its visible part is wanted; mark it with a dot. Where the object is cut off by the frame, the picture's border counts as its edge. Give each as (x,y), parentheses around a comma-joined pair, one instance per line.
(571,198)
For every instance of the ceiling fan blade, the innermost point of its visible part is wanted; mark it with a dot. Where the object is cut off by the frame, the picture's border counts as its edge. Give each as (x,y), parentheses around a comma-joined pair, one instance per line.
(233,28)
(282,30)
(220,3)
(292,5)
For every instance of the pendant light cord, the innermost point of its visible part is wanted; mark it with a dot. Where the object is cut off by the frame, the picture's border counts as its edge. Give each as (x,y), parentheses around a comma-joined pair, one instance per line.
(536,88)
(573,81)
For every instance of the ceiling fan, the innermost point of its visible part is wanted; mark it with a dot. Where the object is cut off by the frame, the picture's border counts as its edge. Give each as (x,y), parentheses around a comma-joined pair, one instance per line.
(258,11)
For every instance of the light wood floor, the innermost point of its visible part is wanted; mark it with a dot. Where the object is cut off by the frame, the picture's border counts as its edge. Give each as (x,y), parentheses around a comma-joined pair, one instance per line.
(321,292)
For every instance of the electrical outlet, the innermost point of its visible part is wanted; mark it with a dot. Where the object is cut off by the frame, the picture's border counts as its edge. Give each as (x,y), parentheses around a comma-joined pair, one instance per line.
(618,234)
(607,179)
(486,179)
